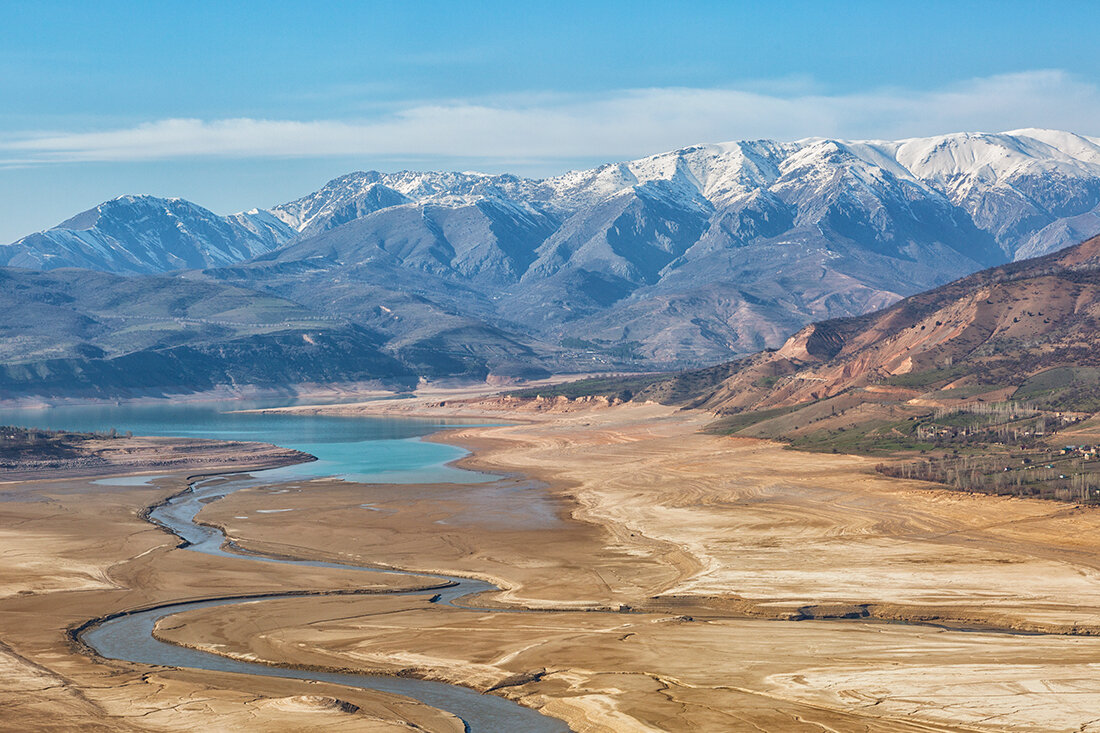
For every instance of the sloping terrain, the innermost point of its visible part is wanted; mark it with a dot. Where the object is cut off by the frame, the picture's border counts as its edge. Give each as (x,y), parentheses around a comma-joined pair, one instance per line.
(146,234)
(677,260)
(78,332)
(1029,329)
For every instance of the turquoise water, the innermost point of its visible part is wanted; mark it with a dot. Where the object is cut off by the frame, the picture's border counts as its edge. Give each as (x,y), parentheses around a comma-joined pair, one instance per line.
(370,449)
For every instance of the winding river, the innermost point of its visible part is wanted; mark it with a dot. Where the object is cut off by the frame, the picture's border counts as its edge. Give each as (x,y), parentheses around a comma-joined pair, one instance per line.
(362,449)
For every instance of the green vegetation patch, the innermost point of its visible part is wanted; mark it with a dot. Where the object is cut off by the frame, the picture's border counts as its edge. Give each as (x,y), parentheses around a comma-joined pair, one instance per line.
(1063,388)
(735,423)
(874,437)
(623,388)
(928,378)
(962,393)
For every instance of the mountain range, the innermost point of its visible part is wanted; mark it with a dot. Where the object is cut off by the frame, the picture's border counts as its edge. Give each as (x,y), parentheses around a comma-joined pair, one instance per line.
(678,259)
(1026,332)
(999,361)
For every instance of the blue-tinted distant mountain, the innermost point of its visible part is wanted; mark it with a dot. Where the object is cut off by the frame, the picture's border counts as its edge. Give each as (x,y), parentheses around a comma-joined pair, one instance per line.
(681,258)
(146,234)
(79,332)
(687,256)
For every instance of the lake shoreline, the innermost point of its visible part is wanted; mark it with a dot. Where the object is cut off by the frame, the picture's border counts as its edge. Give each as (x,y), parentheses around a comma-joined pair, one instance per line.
(700,554)
(679,533)
(151,455)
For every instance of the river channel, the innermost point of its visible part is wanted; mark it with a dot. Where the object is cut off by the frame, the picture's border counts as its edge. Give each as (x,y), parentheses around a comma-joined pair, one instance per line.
(364,450)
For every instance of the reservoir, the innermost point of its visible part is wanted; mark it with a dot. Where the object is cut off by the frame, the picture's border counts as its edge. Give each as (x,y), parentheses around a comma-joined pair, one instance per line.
(361,449)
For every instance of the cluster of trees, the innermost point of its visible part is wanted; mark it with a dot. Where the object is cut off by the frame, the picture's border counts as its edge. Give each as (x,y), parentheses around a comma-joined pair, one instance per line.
(1044,475)
(17,441)
(1006,423)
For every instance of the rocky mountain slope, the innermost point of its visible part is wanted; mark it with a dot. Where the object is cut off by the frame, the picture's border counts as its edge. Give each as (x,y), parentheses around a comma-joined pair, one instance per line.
(678,259)
(145,234)
(684,257)
(1032,190)
(1027,331)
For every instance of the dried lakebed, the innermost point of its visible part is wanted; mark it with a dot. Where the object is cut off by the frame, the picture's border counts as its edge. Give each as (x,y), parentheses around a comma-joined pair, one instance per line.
(674,518)
(130,636)
(357,449)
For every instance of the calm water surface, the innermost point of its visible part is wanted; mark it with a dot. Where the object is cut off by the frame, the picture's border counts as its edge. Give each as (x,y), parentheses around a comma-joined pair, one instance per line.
(370,449)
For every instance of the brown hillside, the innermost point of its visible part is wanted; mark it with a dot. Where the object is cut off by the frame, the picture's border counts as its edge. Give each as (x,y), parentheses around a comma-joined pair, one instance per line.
(1029,329)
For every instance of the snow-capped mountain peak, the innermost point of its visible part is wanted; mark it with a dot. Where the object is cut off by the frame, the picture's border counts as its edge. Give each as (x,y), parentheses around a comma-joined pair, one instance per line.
(133,234)
(1033,190)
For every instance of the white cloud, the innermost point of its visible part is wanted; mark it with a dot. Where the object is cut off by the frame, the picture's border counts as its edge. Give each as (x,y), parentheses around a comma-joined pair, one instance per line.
(621,124)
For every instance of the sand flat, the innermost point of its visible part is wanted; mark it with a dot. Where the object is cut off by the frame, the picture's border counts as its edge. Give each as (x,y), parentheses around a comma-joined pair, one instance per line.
(660,582)
(709,542)
(614,672)
(74,549)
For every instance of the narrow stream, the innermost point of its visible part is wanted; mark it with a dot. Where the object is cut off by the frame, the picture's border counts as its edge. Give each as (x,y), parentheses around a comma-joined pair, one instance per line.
(361,449)
(130,638)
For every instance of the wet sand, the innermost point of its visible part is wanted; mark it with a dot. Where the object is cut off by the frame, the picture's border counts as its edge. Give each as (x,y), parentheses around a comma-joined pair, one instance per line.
(692,582)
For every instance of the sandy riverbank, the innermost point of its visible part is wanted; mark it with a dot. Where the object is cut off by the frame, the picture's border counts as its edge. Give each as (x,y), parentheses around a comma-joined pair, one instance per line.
(706,543)
(145,455)
(75,549)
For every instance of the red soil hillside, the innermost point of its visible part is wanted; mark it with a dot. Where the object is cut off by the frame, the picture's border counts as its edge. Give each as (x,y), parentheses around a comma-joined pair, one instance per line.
(1030,329)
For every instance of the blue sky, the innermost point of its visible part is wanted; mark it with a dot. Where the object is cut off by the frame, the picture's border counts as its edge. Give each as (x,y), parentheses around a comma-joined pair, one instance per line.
(235,105)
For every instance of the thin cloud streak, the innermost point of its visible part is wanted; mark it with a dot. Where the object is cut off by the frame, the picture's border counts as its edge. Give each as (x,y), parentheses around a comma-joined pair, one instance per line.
(621,124)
